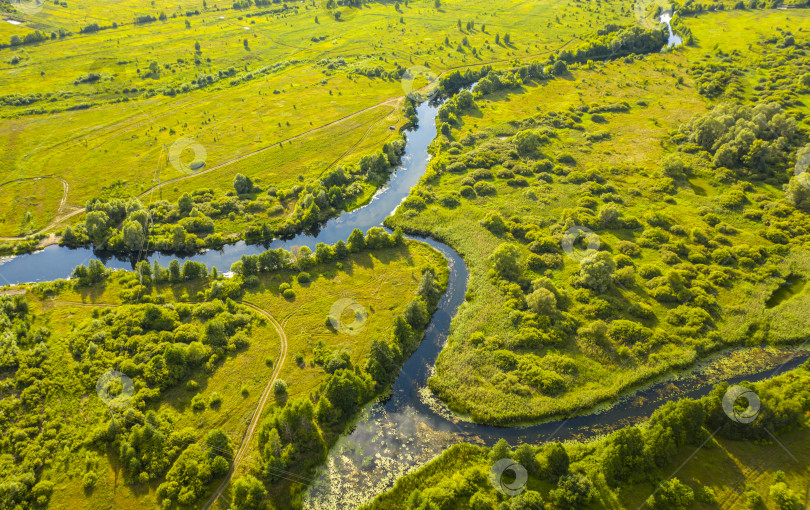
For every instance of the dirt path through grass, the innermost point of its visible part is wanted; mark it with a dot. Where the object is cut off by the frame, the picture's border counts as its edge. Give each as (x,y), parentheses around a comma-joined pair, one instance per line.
(393,102)
(254,422)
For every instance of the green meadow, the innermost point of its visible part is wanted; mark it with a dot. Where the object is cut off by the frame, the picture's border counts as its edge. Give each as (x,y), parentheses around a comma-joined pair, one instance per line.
(261,76)
(183,127)
(604,130)
(85,328)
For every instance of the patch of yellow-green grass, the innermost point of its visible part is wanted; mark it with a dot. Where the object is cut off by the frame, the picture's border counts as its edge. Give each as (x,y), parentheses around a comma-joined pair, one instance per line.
(713,30)
(292,162)
(727,467)
(122,141)
(29,205)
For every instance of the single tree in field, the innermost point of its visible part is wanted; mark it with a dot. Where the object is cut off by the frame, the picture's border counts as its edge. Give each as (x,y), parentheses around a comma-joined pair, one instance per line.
(559,68)
(609,215)
(526,143)
(542,301)
(797,192)
(197,46)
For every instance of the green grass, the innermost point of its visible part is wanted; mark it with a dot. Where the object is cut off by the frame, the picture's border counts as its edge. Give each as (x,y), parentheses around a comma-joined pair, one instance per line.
(630,161)
(378,280)
(113,140)
(28,205)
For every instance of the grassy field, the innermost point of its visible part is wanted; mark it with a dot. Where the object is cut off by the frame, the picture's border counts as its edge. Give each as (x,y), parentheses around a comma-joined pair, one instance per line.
(378,280)
(283,93)
(293,77)
(29,205)
(661,95)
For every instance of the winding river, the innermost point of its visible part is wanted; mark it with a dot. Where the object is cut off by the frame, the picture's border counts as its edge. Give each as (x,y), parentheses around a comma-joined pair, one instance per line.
(410,427)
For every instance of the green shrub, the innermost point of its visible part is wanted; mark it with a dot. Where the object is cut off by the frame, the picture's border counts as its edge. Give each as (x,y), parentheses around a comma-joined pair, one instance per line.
(279,387)
(628,332)
(484,189)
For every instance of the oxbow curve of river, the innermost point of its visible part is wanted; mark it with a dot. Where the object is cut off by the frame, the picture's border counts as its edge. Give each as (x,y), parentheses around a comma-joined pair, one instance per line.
(410,427)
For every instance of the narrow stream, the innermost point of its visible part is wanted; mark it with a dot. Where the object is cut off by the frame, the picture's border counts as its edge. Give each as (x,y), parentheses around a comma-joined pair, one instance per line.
(410,427)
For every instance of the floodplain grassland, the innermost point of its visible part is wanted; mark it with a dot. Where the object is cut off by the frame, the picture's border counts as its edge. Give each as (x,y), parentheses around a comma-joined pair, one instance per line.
(28,205)
(605,131)
(88,108)
(191,378)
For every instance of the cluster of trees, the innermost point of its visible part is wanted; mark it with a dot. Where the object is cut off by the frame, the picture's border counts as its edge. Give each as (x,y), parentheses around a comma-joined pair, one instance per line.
(30,426)
(719,78)
(376,167)
(158,346)
(188,479)
(188,225)
(31,38)
(139,283)
(614,41)
(304,258)
(750,143)
(452,82)
(753,141)
(450,109)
